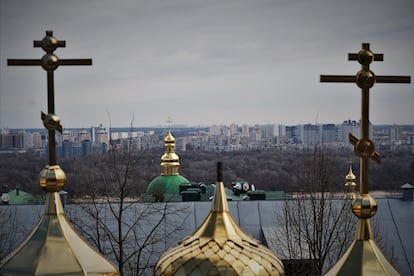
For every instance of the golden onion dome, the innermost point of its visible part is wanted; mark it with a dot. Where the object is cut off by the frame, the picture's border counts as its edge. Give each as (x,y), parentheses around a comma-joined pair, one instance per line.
(350,176)
(54,248)
(219,247)
(169,138)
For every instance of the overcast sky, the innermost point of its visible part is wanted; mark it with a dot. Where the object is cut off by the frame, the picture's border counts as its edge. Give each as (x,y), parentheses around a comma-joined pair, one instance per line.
(205,62)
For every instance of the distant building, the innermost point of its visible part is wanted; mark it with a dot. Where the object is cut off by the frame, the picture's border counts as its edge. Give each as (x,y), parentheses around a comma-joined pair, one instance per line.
(312,134)
(67,135)
(12,141)
(348,127)
(86,147)
(37,140)
(67,149)
(329,133)
(84,135)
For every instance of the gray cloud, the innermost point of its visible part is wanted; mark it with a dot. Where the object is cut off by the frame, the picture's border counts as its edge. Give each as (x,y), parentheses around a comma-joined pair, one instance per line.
(205,61)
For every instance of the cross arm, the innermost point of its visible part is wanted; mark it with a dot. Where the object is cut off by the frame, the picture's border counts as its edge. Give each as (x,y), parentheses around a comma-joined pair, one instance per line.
(24,62)
(38,62)
(337,78)
(41,43)
(393,79)
(377,57)
(86,61)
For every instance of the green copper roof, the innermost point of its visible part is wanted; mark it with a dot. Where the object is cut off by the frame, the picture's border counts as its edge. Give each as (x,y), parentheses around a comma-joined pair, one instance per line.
(167,184)
(19,197)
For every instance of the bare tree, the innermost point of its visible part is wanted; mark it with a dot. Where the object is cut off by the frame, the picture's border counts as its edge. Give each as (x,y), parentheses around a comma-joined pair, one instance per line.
(315,227)
(128,232)
(8,230)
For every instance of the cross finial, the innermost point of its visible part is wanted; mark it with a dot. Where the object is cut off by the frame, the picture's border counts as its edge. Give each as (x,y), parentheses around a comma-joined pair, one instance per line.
(169,121)
(365,206)
(365,79)
(50,62)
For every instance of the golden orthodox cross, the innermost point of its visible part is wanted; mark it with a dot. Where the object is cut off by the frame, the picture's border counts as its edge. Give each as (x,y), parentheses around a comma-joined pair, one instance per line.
(365,79)
(49,62)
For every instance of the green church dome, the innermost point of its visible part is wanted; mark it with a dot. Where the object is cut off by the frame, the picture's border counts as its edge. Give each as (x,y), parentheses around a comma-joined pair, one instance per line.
(166,184)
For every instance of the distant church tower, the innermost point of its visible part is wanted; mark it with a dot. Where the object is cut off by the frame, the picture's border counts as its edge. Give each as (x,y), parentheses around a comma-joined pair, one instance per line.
(350,184)
(168,183)
(170,161)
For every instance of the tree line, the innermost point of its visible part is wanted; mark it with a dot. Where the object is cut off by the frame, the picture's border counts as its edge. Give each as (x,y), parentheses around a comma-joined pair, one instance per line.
(267,170)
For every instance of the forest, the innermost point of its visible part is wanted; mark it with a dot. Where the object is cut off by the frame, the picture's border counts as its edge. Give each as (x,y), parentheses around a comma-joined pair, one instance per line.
(267,170)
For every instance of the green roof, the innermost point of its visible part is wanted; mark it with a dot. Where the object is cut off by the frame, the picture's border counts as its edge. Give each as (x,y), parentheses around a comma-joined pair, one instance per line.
(167,184)
(19,197)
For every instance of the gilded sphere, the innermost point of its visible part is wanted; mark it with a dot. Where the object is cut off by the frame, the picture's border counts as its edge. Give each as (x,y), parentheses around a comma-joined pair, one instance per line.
(51,121)
(52,179)
(365,79)
(49,43)
(50,62)
(365,148)
(364,206)
(365,57)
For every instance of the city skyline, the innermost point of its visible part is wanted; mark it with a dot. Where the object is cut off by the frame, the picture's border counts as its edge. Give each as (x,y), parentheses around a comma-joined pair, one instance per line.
(205,63)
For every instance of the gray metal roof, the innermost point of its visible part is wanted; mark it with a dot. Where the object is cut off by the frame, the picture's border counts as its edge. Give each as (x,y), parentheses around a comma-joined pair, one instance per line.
(395,221)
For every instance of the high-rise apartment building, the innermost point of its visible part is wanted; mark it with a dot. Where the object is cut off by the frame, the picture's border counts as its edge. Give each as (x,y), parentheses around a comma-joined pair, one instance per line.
(67,135)
(348,127)
(233,129)
(395,134)
(312,134)
(84,135)
(329,133)
(86,147)
(67,149)
(12,141)
(37,140)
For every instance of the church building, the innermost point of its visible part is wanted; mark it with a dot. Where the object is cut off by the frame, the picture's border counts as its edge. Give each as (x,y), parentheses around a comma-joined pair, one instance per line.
(167,185)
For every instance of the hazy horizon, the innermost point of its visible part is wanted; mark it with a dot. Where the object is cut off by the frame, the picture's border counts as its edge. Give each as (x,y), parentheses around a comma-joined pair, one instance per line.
(205,62)
(178,126)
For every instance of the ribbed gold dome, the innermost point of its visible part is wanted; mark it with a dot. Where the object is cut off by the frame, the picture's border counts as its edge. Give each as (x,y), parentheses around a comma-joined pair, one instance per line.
(54,248)
(219,247)
(363,257)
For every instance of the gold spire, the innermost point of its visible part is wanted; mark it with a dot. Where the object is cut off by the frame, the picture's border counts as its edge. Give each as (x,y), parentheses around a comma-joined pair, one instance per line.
(364,257)
(169,161)
(53,247)
(219,247)
(350,184)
